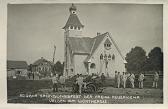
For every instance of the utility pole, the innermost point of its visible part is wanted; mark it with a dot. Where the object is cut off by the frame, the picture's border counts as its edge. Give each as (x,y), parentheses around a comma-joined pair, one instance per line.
(54,54)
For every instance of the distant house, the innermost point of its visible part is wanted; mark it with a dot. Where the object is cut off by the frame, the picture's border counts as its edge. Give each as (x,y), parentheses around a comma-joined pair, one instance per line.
(42,67)
(16,68)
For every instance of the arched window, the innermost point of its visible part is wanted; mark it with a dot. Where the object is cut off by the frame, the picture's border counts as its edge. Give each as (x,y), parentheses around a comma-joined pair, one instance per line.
(71,27)
(113,57)
(71,69)
(92,65)
(101,56)
(75,27)
(105,56)
(78,28)
(109,57)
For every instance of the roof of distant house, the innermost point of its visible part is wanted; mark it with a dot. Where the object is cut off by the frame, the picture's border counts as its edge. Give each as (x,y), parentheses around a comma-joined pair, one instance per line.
(41,60)
(16,64)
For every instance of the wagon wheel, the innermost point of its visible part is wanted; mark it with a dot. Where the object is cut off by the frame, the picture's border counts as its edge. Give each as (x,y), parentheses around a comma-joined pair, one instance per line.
(90,88)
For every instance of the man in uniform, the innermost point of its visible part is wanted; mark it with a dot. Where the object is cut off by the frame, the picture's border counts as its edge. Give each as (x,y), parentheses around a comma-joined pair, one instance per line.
(155,80)
(79,81)
(132,79)
(118,80)
(140,79)
(103,79)
(115,79)
(123,79)
(55,82)
(62,82)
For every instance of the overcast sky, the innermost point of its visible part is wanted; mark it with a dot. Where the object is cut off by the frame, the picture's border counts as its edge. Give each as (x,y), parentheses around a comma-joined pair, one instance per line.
(33,29)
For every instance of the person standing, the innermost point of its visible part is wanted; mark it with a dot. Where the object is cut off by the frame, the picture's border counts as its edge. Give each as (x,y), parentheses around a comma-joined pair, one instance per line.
(132,79)
(115,79)
(140,80)
(55,82)
(155,80)
(79,81)
(118,80)
(62,82)
(103,79)
(124,78)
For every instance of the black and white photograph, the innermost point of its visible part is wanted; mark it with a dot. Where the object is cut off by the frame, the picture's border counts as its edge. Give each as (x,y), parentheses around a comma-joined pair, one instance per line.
(85,53)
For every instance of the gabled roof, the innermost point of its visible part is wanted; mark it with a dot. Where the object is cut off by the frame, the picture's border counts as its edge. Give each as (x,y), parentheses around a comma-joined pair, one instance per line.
(16,64)
(89,45)
(73,20)
(80,45)
(98,40)
(41,61)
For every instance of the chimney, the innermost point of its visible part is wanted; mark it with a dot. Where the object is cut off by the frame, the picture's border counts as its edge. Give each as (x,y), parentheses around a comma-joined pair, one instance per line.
(98,33)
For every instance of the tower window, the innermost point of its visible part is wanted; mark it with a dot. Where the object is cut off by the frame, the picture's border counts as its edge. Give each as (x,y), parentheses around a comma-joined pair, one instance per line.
(78,28)
(71,27)
(75,27)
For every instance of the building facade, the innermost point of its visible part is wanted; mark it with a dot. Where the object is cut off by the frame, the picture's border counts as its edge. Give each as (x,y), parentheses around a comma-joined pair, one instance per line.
(85,55)
(42,67)
(16,68)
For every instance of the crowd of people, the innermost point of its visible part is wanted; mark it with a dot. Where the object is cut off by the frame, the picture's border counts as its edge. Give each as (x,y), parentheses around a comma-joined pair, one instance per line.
(121,80)
(126,78)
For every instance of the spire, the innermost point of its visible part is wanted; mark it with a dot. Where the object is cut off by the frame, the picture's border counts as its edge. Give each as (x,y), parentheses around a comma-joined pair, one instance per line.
(73,19)
(73,8)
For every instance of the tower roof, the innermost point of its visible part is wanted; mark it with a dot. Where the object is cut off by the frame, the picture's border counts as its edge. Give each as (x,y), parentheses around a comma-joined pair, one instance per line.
(73,19)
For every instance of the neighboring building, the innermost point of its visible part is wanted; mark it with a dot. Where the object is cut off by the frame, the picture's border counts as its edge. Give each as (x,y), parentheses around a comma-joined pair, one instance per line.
(16,68)
(42,67)
(85,55)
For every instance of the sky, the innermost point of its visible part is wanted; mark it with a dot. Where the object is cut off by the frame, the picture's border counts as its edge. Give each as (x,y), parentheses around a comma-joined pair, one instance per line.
(34,29)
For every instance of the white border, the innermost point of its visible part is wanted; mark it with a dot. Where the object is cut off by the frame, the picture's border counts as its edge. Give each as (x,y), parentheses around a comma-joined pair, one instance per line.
(3,56)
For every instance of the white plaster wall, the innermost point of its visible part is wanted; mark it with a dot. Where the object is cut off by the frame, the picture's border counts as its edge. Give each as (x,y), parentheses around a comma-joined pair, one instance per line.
(75,33)
(113,65)
(79,64)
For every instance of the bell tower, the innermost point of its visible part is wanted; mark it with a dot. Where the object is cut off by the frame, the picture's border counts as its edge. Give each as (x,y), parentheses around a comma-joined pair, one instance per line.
(73,28)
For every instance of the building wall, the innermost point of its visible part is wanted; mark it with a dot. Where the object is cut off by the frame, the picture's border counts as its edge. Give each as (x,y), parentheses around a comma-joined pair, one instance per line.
(42,68)
(13,72)
(114,65)
(79,64)
(74,32)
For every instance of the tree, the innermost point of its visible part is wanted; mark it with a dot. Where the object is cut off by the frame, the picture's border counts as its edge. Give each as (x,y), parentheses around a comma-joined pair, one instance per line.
(155,59)
(136,59)
(58,67)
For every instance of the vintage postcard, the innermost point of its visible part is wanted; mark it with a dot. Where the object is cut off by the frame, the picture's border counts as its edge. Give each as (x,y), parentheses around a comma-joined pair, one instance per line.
(85,53)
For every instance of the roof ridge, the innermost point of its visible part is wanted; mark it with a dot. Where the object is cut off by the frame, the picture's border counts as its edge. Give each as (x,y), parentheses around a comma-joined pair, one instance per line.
(93,46)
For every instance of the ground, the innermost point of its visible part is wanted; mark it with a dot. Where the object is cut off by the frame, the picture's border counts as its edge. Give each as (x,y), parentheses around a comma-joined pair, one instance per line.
(110,95)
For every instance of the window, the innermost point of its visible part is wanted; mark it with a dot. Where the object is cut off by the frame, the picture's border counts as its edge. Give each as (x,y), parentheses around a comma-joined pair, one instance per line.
(78,28)
(113,57)
(71,27)
(107,44)
(105,56)
(71,70)
(75,27)
(92,65)
(101,56)
(109,57)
